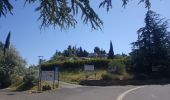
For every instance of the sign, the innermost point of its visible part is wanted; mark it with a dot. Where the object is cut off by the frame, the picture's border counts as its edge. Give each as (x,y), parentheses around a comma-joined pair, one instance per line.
(50,75)
(155,68)
(47,75)
(88,67)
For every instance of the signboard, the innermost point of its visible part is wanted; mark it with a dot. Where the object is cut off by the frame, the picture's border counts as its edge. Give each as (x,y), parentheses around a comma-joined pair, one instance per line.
(88,67)
(47,76)
(50,75)
(155,68)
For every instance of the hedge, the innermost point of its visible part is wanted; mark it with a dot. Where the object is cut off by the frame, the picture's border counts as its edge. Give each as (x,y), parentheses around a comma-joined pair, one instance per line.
(76,65)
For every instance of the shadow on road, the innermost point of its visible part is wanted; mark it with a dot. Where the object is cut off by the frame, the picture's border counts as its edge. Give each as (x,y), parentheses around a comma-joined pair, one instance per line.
(125,82)
(10,94)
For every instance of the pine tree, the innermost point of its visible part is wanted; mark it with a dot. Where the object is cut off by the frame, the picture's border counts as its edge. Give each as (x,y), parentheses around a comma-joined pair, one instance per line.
(151,48)
(102,51)
(97,50)
(111,52)
(81,52)
(85,53)
(62,12)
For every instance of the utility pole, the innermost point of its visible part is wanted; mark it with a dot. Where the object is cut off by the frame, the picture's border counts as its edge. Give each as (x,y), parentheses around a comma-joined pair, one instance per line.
(40,64)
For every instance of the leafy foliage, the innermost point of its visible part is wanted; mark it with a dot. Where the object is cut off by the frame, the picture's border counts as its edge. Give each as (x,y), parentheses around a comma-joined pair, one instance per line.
(151,48)
(5,7)
(71,51)
(99,52)
(108,3)
(61,12)
(77,65)
(147,3)
(11,63)
(119,65)
(29,78)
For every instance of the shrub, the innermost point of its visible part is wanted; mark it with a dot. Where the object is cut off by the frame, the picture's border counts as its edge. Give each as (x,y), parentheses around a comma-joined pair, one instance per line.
(111,76)
(118,65)
(46,87)
(77,65)
(107,76)
(16,81)
(29,81)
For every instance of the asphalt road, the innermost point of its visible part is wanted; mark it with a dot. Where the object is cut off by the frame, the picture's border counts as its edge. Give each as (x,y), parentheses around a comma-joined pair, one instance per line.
(157,92)
(153,92)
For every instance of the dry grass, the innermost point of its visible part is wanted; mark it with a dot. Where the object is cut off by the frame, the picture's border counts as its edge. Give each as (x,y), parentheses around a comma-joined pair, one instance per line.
(76,77)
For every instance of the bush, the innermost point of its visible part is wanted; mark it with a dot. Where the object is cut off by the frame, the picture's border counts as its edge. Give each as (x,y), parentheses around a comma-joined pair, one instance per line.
(111,76)
(46,87)
(29,81)
(118,65)
(16,81)
(77,65)
(107,77)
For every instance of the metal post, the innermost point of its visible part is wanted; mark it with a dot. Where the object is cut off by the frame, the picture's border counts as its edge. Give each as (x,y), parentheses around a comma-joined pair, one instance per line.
(39,80)
(58,77)
(54,79)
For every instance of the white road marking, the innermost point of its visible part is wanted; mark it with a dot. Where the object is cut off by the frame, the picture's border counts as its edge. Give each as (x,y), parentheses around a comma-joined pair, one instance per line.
(120,97)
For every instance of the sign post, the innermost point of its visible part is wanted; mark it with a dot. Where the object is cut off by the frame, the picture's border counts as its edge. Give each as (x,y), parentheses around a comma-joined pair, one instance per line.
(39,80)
(56,76)
(50,75)
(89,68)
(54,80)
(47,76)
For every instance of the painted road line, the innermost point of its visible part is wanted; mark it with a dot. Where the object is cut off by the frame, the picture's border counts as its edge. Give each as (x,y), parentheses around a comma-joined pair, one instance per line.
(120,97)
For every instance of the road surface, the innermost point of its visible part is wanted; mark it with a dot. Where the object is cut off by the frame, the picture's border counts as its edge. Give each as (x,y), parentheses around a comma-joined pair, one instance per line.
(152,92)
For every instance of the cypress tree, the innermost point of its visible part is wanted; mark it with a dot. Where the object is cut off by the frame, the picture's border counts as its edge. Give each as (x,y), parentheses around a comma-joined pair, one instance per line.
(111,52)
(81,52)
(7,43)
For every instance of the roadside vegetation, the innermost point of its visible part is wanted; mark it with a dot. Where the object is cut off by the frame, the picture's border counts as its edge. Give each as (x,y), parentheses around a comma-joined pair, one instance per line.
(148,61)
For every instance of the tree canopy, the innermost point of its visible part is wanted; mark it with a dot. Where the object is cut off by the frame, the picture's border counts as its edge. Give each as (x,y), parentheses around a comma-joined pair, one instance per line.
(153,44)
(62,12)
(11,63)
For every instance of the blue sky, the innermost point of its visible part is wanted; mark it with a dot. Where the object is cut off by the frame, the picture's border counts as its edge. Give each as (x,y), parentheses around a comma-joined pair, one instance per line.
(120,26)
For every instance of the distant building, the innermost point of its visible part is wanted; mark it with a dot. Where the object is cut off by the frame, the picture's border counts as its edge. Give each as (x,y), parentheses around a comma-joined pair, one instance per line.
(102,56)
(95,55)
(92,55)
